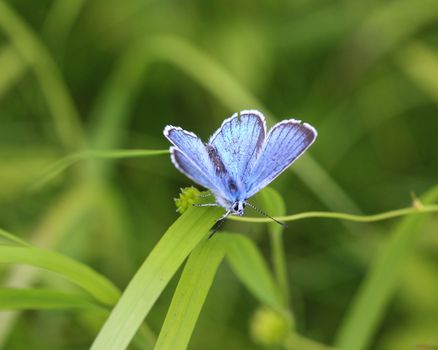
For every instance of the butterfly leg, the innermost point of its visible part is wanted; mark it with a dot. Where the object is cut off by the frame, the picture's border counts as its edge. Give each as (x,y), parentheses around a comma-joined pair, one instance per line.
(219,224)
(206,205)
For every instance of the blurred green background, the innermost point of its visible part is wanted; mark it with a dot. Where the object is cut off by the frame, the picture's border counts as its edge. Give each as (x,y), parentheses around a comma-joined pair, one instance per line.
(78,74)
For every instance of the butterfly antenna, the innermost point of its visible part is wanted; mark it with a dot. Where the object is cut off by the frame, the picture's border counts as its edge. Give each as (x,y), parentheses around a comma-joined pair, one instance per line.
(264,214)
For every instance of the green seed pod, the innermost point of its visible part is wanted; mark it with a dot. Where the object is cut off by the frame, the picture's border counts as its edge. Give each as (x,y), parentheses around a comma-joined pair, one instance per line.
(268,327)
(187,197)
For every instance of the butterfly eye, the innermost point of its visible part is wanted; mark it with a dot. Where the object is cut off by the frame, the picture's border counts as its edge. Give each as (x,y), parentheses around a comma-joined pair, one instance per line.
(236,207)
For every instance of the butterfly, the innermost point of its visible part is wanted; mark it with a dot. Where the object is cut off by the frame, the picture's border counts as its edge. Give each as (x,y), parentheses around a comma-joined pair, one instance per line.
(240,158)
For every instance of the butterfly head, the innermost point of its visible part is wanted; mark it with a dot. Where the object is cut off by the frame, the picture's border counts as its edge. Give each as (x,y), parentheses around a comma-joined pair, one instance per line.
(238,208)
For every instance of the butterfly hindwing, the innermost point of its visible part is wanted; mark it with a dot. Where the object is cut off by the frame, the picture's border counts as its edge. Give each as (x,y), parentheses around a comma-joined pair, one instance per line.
(285,142)
(189,168)
(237,143)
(190,156)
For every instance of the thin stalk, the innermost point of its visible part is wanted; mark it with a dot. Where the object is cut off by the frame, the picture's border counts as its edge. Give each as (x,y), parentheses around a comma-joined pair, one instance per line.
(274,203)
(279,263)
(345,216)
(297,342)
(65,162)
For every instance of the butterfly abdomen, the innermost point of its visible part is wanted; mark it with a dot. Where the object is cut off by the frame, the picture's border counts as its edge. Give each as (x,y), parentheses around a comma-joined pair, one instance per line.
(229,183)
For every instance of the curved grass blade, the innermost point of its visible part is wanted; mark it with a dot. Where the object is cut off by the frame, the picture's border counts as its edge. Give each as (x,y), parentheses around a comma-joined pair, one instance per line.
(83,276)
(368,308)
(44,299)
(48,299)
(60,219)
(12,68)
(420,63)
(152,277)
(69,160)
(12,238)
(190,294)
(247,263)
(56,28)
(59,22)
(250,267)
(26,43)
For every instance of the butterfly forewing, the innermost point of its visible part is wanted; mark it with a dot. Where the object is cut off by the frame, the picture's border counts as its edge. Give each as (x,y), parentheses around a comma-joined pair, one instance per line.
(237,143)
(285,142)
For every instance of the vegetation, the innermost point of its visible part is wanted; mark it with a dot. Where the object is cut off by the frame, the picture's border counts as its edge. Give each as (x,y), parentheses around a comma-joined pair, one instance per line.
(96,253)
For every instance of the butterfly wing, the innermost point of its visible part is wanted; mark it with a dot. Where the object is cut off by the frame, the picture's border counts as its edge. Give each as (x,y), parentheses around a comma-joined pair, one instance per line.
(238,142)
(285,142)
(190,156)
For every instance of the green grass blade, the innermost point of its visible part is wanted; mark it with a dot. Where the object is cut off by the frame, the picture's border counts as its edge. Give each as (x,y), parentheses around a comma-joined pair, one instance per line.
(420,63)
(152,277)
(69,160)
(371,301)
(12,68)
(115,101)
(12,238)
(250,267)
(43,299)
(26,43)
(60,219)
(190,294)
(319,181)
(60,21)
(83,276)
(48,299)
(275,206)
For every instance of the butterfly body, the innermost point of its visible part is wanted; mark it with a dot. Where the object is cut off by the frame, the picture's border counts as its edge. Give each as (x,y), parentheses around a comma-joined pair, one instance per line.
(241,157)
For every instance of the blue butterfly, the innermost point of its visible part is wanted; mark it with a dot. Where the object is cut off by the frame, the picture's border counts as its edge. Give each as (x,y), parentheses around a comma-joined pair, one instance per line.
(241,158)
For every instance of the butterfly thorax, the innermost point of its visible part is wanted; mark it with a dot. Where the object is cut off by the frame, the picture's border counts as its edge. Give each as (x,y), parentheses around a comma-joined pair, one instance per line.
(236,207)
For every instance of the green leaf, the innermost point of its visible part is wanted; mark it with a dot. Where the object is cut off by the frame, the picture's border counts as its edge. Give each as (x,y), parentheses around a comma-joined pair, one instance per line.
(83,276)
(190,294)
(245,260)
(152,277)
(369,306)
(250,267)
(43,299)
